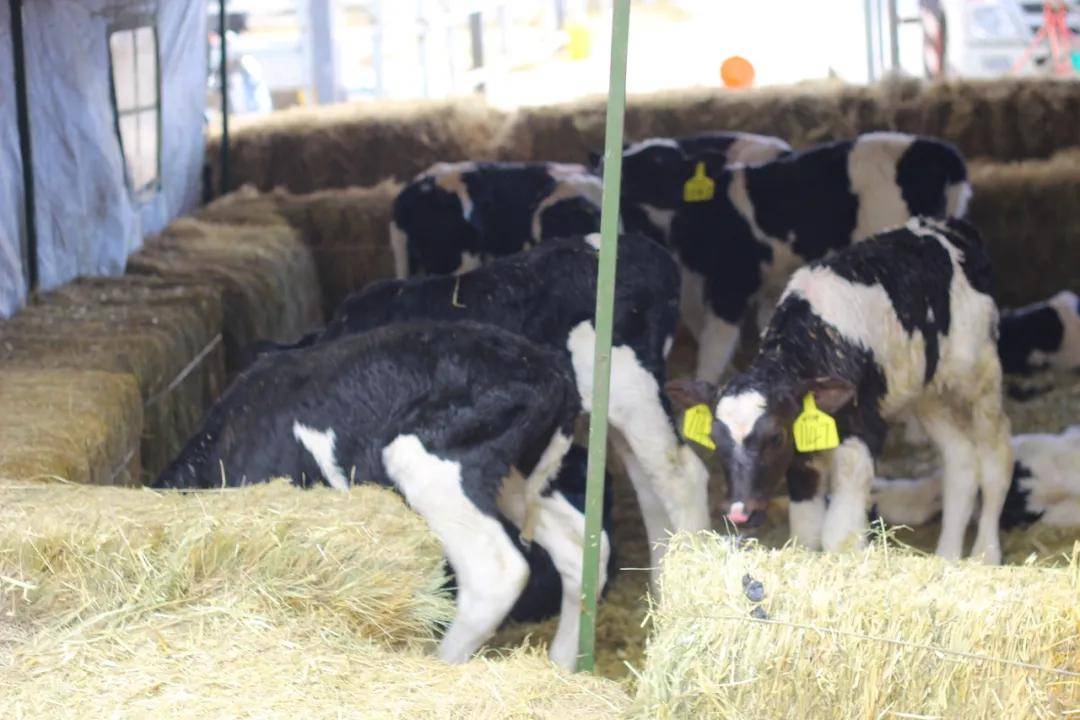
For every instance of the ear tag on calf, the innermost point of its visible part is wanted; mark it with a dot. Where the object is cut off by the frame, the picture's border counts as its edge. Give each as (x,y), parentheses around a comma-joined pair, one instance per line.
(699,188)
(697,426)
(815,430)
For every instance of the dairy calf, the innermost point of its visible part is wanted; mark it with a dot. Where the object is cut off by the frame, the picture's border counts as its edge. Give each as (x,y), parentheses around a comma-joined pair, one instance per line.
(453,217)
(1042,335)
(549,295)
(901,323)
(468,422)
(738,249)
(1045,486)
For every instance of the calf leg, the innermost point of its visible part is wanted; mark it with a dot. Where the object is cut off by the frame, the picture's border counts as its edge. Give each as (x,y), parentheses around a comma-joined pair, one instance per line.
(852,472)
(545,471)
(960,467)
(716,345)
(995,457)
(806,509)
(489,569)
(561,531)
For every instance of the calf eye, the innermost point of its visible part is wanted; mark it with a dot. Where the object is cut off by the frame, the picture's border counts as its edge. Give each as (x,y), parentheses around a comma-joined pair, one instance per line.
(776,439)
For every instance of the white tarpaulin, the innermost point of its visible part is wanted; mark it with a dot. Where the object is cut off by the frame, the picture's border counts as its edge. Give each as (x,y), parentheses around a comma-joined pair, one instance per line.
(91,212)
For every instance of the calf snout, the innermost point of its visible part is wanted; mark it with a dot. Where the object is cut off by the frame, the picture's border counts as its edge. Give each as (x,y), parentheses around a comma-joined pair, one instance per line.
(749,513)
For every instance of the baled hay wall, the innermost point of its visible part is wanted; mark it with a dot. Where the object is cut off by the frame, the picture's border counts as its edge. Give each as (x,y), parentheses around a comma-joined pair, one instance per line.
(1007,119)
(167,335)
(267,278)
(1029,214)
(81,426)
(878,633)
(308,149)
(347,230)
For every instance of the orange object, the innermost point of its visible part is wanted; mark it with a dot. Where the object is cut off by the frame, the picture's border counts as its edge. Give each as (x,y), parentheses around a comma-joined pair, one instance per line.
(737,72)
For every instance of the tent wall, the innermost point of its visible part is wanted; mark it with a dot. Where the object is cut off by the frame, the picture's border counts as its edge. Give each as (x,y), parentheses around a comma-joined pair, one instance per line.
(12,277)
(88,221)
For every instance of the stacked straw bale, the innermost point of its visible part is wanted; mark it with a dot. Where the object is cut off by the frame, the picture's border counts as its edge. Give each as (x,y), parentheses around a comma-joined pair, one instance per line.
(306,149)
(259,602)
(164,334)
(77,425)
(879,633)
(1007,119)
(346,230)
(1029,214)
(266,277)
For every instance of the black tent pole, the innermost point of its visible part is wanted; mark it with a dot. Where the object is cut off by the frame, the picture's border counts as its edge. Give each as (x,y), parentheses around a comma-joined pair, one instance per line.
(224,99)
(23,118)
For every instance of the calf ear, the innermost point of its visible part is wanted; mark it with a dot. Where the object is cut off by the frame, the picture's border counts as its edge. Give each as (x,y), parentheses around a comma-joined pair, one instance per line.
(831,394)
(686,392)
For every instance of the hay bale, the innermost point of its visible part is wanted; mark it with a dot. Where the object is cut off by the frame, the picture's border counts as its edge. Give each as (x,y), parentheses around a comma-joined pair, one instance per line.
(306,149)
(1005,119)
(1029,215)
(79,426)
(166,335)
(872,634)
(347,230)
(265,275)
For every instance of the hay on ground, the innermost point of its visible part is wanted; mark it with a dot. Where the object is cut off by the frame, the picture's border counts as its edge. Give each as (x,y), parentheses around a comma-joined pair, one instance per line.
(1004,119)
(306,149)
(876,633)
(1029,215)
(347,230)
(80,426)
(266,276)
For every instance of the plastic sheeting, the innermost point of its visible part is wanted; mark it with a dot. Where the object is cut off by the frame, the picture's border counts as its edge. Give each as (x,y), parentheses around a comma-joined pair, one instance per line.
(88,221)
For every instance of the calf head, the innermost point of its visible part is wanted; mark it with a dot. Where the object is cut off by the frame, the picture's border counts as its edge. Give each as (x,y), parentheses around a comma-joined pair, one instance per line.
(752,430)
(438,231)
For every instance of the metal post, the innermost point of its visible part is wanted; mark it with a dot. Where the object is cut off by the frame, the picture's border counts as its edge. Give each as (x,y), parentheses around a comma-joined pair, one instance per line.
(868,8)
(605,300)
(224,70)
(324,71)
(894,36)
(23,120)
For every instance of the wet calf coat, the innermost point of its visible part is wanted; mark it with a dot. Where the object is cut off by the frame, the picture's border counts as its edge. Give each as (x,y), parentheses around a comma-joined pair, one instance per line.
(902,323)
(738,249)
(549,295)
(467,421)
(454,217)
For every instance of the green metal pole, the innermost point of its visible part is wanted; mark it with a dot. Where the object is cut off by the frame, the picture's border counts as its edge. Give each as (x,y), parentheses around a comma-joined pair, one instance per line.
(605,299)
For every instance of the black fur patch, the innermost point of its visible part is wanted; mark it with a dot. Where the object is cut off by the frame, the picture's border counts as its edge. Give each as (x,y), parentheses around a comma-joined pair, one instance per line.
(802,480)
(566,218)
(925,168)
(1016,512)
(1026,330)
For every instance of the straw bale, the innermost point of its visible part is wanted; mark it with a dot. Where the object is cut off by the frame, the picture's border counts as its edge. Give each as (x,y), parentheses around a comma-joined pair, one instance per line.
(166,335)
(878,633)
(1029,215)
(306,149)
(1005,119)
(347,230)
(79,426)
(265,274)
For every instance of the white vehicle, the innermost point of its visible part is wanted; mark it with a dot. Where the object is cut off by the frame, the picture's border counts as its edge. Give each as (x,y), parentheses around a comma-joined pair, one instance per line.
(986,38)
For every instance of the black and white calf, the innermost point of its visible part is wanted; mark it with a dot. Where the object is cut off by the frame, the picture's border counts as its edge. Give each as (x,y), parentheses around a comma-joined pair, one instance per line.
(901,323)
(467,421)
(454,217)
(655,170)
(738,249)
(1045,486)
(549,295)
(1042,335)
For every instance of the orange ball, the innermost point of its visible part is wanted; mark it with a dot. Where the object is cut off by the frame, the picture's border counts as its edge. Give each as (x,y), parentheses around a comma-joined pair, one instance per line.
(737,72)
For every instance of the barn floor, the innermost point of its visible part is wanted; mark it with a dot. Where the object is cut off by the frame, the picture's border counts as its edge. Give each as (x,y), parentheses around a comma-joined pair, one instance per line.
(620,627)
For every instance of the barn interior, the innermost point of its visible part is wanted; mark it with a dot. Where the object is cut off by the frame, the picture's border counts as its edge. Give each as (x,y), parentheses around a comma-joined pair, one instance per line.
(131,302)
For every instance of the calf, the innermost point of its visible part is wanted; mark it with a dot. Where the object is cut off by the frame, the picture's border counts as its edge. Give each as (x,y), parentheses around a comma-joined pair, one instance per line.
(1045,486)
(449,415)
(453,217)
(901,323)
(1042,335)
(739,248)
(655,170)
(549,295)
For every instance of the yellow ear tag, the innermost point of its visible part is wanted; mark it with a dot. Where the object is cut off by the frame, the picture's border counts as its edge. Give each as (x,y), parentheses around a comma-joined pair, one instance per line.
(815,430)
(699,188)
(697,426)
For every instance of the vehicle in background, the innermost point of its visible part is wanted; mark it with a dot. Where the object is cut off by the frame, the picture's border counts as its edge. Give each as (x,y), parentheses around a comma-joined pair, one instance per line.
(986,38)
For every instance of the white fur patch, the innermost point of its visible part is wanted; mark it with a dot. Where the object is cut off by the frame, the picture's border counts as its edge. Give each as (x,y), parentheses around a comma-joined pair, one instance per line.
(957,197)
(660,218)
(469,262)
(321,447)
(752,149)
(593,239)
(399,246)
(872,174)
(740,413)
(649,143)
(1068,357)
